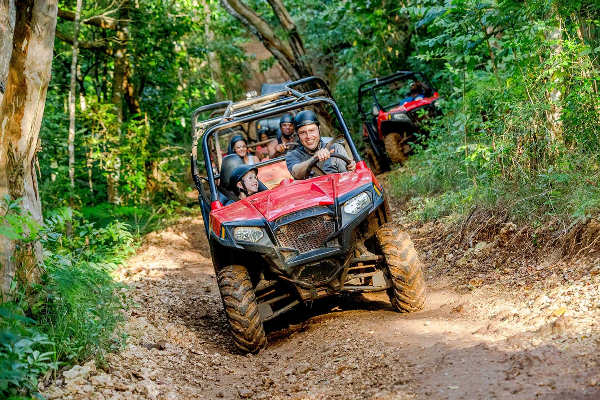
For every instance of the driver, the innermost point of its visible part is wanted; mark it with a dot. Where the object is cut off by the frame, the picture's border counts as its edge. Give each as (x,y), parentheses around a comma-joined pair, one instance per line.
(286,139)
(309,133)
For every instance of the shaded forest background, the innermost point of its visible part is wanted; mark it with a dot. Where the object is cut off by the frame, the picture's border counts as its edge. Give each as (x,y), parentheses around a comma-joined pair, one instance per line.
(519,132)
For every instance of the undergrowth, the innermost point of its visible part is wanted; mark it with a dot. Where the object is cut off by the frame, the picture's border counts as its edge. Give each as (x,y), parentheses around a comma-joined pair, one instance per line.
(74,312)
(521,124)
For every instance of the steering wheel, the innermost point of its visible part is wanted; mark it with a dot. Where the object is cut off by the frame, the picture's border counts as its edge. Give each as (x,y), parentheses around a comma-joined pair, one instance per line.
(318,171)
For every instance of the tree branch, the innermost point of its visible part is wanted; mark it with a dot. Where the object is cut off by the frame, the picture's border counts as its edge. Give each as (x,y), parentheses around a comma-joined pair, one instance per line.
(100,21)
(261,29)
(96,45)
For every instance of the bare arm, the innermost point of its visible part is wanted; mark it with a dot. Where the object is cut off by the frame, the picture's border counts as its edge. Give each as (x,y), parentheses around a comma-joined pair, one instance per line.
(299,170)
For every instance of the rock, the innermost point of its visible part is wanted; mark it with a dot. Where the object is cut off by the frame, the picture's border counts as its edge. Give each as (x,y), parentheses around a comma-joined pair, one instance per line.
(480,246)
(475,282)
(102,380)
(462,262)
(73,387)
(87,388)
(593,381)
(556,327)
(55,393)
(220,395)
(147,388)
(245,393)
(172,396)
(561,325)
(78,371)
(559,311)
(303,368)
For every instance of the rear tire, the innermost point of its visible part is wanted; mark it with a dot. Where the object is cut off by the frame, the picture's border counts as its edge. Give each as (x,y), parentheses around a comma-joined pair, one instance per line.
(241,308)
(397,147)
(378,165)
(407,293)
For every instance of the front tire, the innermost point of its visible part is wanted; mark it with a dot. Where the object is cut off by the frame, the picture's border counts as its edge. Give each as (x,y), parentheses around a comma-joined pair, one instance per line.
(378,166)
(241,308)
(407,293)
(397,147)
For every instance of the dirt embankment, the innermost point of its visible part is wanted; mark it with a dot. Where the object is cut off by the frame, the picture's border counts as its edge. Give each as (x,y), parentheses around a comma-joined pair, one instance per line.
(497,324)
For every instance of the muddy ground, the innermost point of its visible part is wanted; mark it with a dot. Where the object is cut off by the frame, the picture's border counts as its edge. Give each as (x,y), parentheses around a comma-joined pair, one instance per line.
(504,327)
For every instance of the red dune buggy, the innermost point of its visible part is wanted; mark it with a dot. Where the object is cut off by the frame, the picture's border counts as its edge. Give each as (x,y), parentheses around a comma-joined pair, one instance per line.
(392,109)
(296,240)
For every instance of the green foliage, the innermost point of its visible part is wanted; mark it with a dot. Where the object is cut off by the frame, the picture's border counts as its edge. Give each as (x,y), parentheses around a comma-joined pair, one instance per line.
(75,311)
(520,129)
(21,356)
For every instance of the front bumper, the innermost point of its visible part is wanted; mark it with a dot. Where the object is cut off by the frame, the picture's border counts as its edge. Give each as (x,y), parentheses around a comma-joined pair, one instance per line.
(308,259)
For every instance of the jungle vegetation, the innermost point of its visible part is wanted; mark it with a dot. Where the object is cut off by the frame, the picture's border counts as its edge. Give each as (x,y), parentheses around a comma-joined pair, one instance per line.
(118,80)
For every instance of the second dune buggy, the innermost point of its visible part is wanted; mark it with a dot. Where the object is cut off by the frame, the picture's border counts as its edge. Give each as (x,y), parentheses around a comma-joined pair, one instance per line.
(392,109)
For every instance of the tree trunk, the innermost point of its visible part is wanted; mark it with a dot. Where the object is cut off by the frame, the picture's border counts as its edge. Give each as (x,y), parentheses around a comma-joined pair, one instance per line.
(7,25)
(72,99)
(260,28)
(21,114)
(120,55)
(119,87)
(294,38)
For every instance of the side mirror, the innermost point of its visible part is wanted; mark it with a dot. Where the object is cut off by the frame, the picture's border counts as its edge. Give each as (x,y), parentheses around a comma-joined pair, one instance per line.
(375,110)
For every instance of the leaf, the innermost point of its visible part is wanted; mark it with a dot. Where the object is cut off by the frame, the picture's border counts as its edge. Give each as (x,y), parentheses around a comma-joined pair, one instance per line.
(584,52)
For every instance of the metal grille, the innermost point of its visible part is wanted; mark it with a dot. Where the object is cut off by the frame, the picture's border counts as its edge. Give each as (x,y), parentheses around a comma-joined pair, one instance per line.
(306,234)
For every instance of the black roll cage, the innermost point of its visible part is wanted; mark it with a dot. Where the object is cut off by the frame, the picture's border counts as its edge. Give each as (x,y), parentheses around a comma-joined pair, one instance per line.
(374,83)
(253,109)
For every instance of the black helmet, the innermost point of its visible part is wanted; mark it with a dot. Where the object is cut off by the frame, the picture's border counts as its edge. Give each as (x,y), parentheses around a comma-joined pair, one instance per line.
(305,117)
(238,173)
(286,118)
(234,139)
(228,165)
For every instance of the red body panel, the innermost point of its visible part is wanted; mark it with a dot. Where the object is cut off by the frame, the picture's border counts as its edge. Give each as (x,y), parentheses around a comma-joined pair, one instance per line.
(411,105)
(292,196)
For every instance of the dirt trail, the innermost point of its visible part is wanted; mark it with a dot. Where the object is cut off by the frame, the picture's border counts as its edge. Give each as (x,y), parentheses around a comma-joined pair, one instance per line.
(495,341)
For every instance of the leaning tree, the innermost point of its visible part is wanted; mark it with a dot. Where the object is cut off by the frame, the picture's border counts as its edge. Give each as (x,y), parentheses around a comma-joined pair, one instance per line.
(289,52)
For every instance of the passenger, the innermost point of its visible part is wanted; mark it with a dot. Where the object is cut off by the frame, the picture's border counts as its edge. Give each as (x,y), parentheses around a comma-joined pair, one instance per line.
(286,138)
(244,181)
(417,92)
(238,146)
(307,126)
(262,151)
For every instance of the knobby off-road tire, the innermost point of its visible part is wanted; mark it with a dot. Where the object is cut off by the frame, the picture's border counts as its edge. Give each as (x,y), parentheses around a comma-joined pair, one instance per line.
(241,308)
(407,293)
(378,166)
(397,147)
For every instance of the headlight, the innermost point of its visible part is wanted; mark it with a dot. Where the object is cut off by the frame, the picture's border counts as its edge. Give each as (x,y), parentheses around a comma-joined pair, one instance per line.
(401,117)
(357,203)
(247,234)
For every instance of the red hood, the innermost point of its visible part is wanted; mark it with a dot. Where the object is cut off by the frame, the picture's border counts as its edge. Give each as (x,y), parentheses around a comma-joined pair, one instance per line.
(293,196)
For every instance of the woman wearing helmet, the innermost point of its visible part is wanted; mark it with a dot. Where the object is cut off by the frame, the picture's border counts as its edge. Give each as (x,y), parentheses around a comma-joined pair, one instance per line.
(307,126)
(238,146)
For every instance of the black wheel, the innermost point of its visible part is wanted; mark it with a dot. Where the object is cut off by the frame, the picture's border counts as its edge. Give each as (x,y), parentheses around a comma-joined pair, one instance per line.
(241,308)
(397,147)
(407,293)
(378,165)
